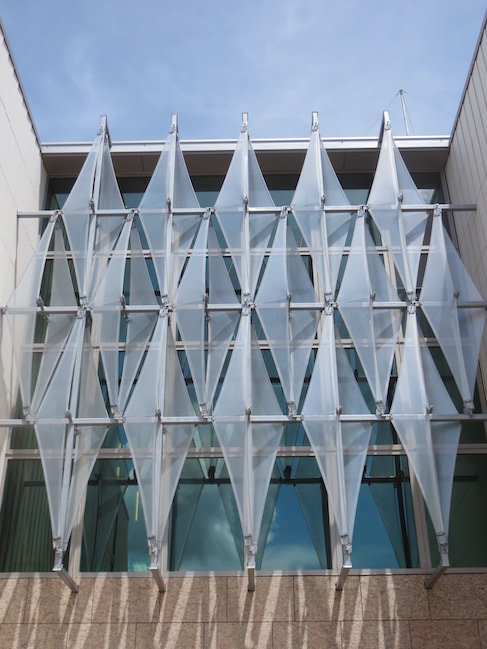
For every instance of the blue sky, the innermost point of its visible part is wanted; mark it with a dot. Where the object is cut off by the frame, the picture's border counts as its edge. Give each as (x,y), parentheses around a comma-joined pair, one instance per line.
(208,61)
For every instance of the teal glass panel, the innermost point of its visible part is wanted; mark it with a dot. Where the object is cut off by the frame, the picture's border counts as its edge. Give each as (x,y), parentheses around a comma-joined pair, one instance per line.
(114,534)
(468,520)
(25,526)
(384,534)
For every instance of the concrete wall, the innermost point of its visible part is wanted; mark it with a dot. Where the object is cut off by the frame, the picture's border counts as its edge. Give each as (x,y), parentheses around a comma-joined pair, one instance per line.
(373,612)
(22,187)
(466,174)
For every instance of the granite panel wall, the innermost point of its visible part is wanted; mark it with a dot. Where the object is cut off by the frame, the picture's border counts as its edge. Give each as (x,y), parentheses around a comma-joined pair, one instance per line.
(379,611)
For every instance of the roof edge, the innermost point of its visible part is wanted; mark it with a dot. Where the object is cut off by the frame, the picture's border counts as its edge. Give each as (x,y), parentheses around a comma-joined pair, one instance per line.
(469,75)
(21,86)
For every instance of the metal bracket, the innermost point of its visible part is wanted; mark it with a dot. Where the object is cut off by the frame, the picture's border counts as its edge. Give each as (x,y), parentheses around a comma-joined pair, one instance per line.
(248,304)
(444,562)
(315,125)
(245,123)
(155,570)
(205,413)
(346,563)
(380,408)
(292,410)
(251,549)
(61,571)
(468,408)
(125,313)
(361,211)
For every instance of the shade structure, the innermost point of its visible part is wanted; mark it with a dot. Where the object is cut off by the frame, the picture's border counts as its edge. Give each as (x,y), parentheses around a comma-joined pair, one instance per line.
(402,232)
(458,331)
(374,331)
(340,447)
(324,232)
(247,233)
(249,449)
(290,333)
(107,309)
(74,389)
(411,418)
(189,323)
(169,235)
(158,451)
(22,313)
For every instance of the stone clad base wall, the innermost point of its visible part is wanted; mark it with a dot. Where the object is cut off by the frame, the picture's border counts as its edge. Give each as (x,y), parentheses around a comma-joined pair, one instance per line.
(386,612)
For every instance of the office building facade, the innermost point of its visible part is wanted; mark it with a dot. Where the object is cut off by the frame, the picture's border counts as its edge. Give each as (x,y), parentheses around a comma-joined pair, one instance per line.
(250,368)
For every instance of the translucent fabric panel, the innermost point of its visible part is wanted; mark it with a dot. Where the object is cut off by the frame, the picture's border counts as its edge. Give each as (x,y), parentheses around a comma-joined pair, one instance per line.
(402,232)
(51,428)
(107,308)
(249,449)
(169,236)
(471,321)
(373,331)
(325,233)
(355,436)
(158,451)
(59,324)
(439,303)
(88,439)
(222,324)
(445,435)
(290,332)
(140,325)
(77,212)
(190,312)
(272,304)
(320,412)
(147,395)
(410,418)
(247,235)
(108,227)
(22,312)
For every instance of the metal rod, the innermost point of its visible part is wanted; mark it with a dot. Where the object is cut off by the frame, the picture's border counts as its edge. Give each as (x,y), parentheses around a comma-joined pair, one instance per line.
(423,207)
(401,92)
(435,575)
(255,419)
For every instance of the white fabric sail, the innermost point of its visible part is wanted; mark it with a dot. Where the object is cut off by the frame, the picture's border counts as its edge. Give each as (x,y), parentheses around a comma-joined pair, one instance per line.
(325,232)
(140,325)
(402,232)
(51,428)
(78,215)
(249,449)
(373,331)
(59,324)
(340,447)
(22,312)
(189,307)
(158,450)
(247,234)
(458,331)
(222,324)
(107,309)
(445,435)
(410,416)
(106,197)
(290,333)
(169,235)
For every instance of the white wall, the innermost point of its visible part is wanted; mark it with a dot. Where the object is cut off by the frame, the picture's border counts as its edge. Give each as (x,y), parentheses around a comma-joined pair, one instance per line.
(22,187)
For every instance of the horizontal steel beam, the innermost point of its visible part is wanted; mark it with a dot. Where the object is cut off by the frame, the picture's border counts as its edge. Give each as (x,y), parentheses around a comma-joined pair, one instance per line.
(254,419)
(424,207)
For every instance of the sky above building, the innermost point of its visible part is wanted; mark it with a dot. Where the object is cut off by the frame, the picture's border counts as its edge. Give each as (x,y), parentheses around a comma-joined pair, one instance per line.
(138,62)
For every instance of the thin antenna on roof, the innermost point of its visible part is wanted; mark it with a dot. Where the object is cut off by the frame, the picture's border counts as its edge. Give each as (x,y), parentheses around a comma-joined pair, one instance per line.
(401,92)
